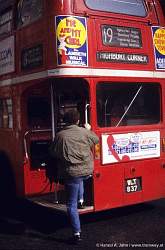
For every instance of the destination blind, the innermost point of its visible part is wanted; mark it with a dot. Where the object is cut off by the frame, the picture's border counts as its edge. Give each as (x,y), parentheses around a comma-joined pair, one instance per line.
(122,58)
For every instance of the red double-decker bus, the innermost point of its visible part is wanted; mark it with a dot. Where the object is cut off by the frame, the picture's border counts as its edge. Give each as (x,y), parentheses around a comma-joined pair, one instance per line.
(107,60)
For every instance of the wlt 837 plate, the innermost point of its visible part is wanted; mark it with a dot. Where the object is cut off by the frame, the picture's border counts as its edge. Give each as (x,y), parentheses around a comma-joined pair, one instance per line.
(133,185)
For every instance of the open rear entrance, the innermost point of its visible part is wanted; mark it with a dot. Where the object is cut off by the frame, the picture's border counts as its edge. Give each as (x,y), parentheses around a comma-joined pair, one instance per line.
(45,117)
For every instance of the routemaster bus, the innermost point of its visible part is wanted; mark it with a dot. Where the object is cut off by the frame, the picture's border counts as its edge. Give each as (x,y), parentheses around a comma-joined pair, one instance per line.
(105,59)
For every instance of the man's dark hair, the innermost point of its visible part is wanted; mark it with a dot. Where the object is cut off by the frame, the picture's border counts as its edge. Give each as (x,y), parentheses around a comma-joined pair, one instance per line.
(72,116)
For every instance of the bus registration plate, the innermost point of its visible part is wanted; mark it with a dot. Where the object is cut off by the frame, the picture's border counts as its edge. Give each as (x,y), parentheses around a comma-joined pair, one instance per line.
(133,185)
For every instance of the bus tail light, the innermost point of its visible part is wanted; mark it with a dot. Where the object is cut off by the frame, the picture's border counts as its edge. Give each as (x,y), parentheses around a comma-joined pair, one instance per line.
(163,144)
(97,151)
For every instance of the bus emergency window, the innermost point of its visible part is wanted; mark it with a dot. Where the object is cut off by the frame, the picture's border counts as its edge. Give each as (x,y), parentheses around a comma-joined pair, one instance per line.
(28,11)
(6,120)
(128,7)
(127,104)
(39,112)
(5,21)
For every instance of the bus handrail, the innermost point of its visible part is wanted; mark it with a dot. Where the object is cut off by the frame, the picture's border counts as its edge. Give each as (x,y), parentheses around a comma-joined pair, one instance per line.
(25,145)
(86,112)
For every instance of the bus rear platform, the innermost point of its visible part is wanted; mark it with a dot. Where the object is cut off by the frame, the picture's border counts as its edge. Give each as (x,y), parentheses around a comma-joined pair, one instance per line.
(49,200)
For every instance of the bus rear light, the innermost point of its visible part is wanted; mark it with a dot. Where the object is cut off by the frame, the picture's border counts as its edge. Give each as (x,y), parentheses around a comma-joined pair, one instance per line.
(97,151)
(163,144)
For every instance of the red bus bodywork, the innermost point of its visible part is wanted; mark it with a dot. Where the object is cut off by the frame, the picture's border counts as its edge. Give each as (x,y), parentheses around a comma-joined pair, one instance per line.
(105,50)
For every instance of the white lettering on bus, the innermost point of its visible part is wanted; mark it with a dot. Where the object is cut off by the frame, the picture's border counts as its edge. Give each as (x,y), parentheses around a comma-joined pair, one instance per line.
(137,58)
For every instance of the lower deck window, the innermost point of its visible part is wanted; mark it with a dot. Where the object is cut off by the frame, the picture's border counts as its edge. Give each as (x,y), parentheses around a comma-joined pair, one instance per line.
(39,112)
(127,104)
(6,119)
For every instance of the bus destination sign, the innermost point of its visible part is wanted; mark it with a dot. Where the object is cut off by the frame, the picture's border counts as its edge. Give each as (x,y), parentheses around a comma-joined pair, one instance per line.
(114,57)
(119,36)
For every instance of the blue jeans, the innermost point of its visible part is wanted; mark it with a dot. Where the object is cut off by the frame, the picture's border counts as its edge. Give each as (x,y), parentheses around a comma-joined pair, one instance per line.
(72,187)
(81,191)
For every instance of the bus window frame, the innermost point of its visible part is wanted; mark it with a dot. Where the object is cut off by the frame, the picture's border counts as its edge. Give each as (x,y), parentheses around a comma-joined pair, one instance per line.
(81,8)
(127,127)
(144,5)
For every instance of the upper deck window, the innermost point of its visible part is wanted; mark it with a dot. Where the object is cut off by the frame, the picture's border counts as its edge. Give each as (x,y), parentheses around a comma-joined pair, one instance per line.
(28,11)
(162,6)
(5,21)
(127,7)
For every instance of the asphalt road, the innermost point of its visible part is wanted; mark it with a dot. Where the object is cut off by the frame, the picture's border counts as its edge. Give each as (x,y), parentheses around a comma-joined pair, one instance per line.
(28,226)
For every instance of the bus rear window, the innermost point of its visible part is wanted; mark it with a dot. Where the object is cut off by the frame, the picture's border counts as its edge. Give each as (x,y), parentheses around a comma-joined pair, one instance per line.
(127,104)
(127,7)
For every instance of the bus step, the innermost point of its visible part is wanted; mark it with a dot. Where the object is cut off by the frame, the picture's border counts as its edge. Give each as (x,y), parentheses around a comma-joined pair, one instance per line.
(48,200)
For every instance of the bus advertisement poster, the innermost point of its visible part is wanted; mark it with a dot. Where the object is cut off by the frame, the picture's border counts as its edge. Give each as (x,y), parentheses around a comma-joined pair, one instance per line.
(131,146)
(71,38)
(159,45)
(7,55)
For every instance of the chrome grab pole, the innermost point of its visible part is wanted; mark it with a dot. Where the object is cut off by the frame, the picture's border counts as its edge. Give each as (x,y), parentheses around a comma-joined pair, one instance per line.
(86,113)
(52,110)
(53,134)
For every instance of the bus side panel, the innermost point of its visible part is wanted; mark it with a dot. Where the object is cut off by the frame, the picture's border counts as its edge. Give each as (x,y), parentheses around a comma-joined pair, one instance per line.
(153,183)
(108,187)
(36,181)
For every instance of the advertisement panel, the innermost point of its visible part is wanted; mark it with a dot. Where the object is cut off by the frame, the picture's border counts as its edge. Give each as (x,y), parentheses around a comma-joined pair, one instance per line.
(71,36)
(159,45)
(131,146)
(7,55)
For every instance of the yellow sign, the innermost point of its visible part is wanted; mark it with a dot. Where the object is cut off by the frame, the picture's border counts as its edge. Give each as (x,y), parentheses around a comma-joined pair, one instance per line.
(72,31)
(159,40)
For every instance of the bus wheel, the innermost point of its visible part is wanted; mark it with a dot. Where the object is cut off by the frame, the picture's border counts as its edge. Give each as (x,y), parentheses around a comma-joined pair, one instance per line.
(7,182)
